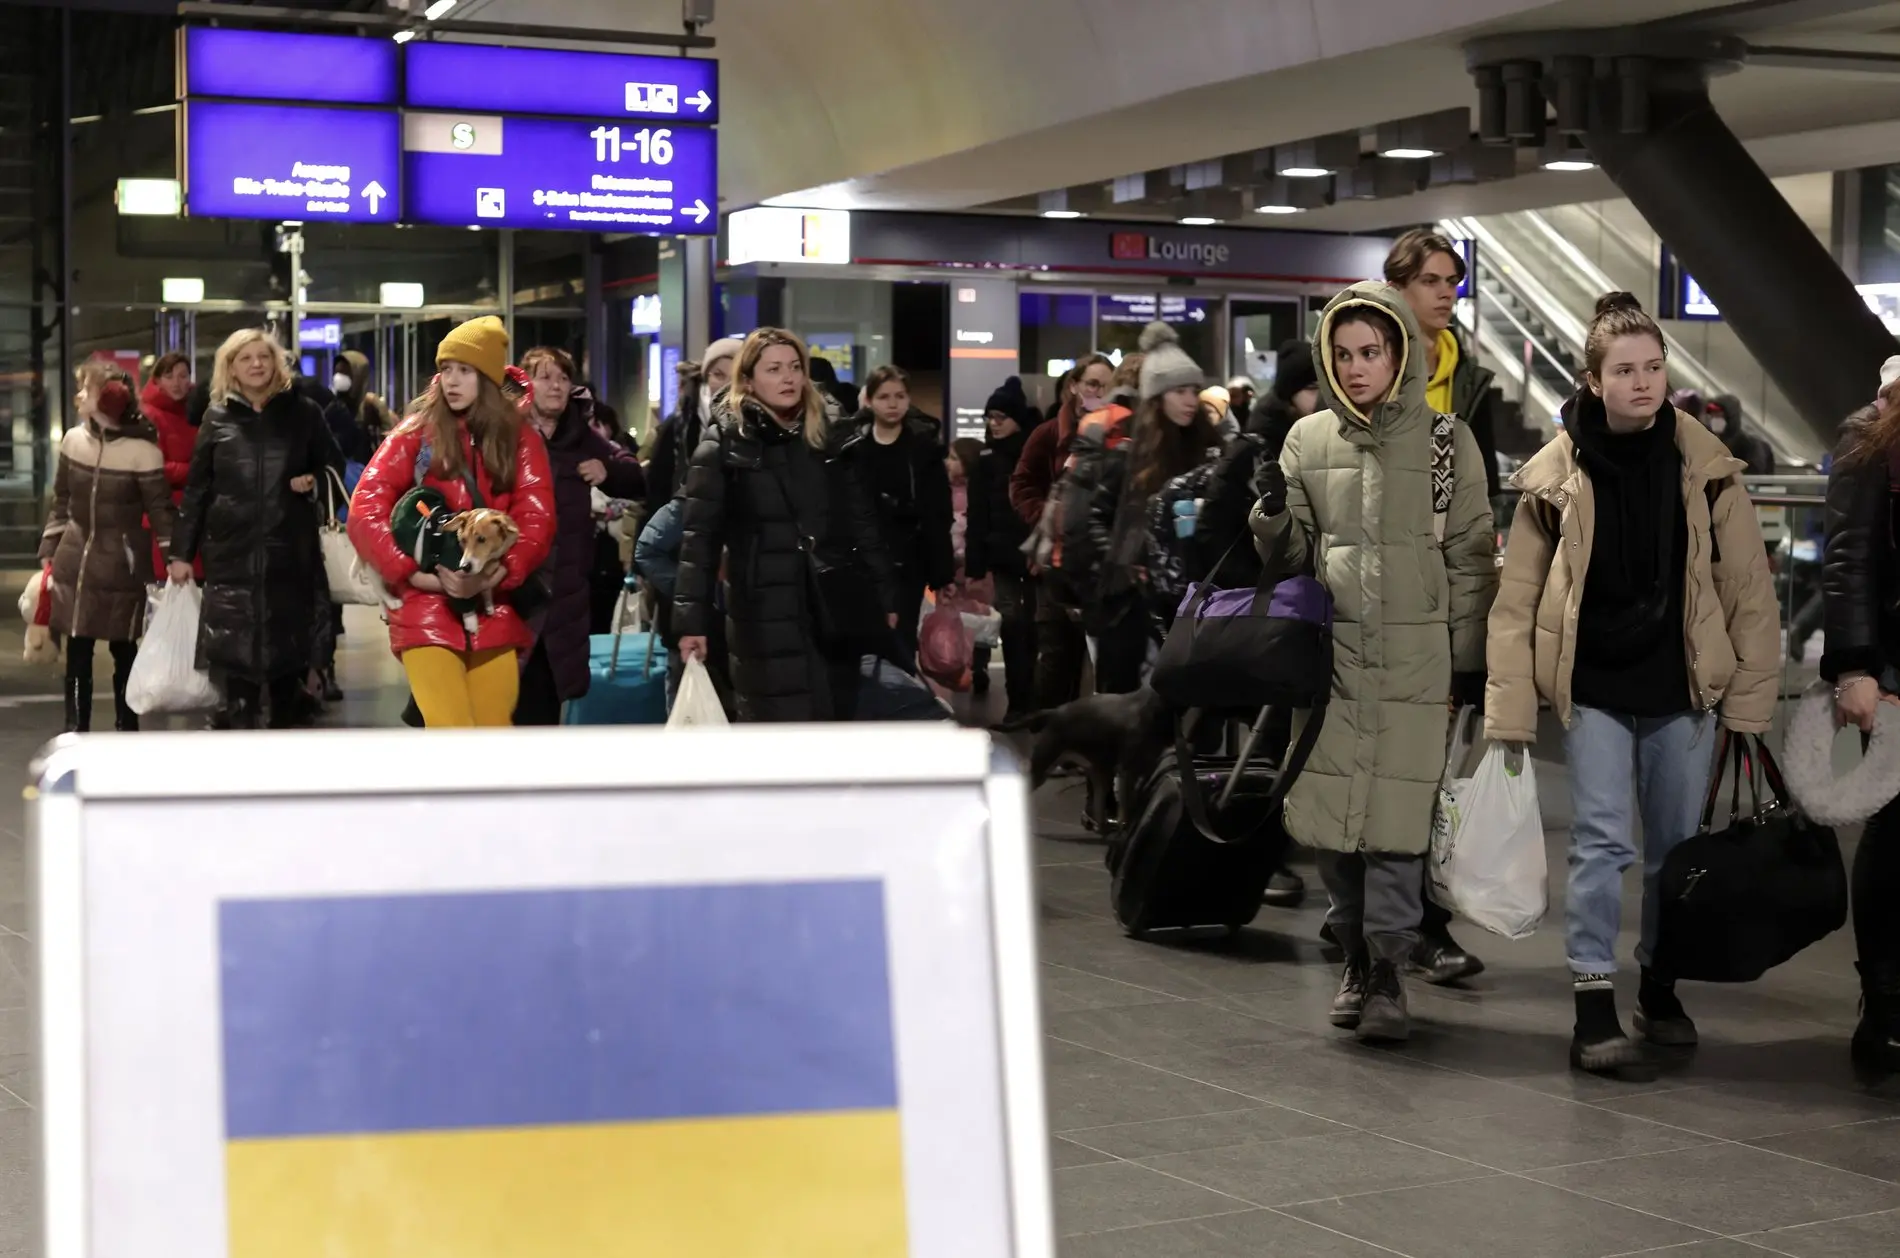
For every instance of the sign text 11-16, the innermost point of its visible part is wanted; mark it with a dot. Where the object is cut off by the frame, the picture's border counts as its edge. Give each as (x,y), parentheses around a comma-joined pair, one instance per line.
(653,145)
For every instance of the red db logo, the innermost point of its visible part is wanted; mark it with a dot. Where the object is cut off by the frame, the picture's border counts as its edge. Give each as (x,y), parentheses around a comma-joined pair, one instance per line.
(1128,246)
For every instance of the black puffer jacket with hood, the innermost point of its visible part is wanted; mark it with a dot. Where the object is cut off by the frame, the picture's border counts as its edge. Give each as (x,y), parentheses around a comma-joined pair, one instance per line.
(738,509)
(257,537)
(916,532)
(993,542)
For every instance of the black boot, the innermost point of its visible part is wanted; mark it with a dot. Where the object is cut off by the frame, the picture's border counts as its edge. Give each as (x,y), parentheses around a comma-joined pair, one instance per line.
(78,704)
(124,719)
(332,693)
(1598,1043)
(1660,1017)
(1877,1038)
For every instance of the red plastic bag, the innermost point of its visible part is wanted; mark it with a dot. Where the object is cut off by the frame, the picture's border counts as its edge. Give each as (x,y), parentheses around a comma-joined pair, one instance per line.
(943,649)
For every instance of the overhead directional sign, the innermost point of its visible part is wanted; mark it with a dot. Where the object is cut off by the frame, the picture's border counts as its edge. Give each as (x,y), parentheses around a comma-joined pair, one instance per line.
(292,162)
(558,82)
(591,175)
(287,65)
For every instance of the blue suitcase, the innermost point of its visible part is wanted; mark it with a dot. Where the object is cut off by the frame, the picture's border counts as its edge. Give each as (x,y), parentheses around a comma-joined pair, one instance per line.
(629,686)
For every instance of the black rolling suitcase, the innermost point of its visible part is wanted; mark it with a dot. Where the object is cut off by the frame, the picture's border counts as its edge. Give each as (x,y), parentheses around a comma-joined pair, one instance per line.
(1207,836)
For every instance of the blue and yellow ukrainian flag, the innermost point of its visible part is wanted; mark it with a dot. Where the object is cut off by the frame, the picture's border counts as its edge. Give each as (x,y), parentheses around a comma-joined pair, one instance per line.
(667,1072)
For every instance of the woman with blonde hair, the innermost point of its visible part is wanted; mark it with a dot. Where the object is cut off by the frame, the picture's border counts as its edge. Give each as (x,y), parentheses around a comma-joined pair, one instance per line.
(810,588)
(249,513)
(468,441)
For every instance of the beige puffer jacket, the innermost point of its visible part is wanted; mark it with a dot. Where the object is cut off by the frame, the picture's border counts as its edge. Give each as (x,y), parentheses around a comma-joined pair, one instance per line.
(1731,629)
(1407,609)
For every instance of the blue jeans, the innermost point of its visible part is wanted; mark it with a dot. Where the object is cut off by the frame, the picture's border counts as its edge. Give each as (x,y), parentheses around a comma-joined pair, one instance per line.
(1667,759)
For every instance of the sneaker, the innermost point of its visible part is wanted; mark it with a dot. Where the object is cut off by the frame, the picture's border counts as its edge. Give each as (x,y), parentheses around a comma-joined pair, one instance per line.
(1384,1019)
(1660,1017)
(1351,1000)
(1439,960)
(1285,890)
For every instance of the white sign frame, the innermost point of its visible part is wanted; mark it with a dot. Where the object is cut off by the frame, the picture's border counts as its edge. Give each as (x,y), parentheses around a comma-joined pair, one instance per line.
(79,778)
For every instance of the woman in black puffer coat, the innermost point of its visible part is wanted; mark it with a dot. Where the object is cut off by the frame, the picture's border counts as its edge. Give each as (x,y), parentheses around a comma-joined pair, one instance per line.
(764,480)
(249,513)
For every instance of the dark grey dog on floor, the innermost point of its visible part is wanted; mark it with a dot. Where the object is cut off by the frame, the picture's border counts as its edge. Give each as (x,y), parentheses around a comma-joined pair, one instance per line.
(1116,738)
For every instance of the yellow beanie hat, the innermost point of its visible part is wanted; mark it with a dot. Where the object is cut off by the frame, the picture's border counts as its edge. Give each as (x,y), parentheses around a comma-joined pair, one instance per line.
(482,344)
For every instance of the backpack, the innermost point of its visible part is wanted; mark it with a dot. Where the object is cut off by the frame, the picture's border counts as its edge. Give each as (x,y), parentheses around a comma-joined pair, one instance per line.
(1071,549)
(1170,552)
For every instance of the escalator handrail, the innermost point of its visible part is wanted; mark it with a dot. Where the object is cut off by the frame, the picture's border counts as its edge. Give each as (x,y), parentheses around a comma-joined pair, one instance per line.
(1563,369)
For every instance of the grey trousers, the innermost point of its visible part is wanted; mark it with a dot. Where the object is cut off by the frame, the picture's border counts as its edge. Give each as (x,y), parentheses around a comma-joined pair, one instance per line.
(1378,900)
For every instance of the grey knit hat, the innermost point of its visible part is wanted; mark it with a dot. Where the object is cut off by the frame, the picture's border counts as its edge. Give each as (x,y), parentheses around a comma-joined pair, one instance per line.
(1167,365)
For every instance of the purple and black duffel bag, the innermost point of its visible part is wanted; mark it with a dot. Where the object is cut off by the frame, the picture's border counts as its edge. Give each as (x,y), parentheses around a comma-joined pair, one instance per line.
(1249,648)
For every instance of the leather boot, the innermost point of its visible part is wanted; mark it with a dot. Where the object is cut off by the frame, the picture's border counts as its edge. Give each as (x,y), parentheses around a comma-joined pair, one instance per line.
(78,705)
(1877,1038)
(332,693)
(124,719)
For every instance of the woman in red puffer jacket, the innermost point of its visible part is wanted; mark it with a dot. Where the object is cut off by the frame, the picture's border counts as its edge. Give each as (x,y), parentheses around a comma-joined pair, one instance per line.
(163,402)
(464,431)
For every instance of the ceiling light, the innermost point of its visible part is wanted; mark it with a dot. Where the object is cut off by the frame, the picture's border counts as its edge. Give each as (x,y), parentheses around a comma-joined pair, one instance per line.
(181,290)
(1570,164)
(1405,154)
(1062,214)
(1304,172)
(437,9)
(403,37)
(1276,209)
(1197,220)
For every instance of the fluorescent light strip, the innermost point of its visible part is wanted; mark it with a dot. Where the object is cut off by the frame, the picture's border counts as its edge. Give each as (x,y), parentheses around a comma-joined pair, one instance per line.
(1409,154)
(1276,209)
(1198,221)
(1062,214)
(1570,164)
(1304,172)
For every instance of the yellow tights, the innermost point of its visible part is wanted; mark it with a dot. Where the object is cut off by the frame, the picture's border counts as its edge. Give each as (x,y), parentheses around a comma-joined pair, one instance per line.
(462,689)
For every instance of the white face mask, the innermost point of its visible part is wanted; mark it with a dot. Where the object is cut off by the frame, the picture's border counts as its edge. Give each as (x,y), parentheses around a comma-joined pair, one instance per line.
(341,382)
(1718,425)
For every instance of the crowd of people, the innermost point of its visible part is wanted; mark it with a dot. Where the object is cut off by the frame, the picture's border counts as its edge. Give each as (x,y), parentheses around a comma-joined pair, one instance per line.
(790,525)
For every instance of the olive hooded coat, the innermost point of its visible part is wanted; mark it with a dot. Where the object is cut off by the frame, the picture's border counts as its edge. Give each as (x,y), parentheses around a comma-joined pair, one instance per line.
(1408,609)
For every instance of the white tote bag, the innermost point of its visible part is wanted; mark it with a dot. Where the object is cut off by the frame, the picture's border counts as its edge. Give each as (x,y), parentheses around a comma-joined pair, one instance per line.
(165,676)
(350,580)
(1487,860)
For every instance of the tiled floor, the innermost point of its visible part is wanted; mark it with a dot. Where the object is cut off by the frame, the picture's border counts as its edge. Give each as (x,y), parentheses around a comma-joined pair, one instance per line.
(1201,1107)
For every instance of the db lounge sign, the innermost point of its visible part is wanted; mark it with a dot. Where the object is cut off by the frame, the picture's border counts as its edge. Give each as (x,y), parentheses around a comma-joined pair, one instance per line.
(1142,247)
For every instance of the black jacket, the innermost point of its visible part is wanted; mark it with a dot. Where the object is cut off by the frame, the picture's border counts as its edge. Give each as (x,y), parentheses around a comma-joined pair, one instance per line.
(1741,442)
(674,445)
(1861,596)
(916,530)
(1222,519)
(258,540)
(1474,400)
(994,535)
(737,508)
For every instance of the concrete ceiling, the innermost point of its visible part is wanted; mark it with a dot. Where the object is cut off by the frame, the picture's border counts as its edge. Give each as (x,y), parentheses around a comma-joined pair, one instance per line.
(955,104)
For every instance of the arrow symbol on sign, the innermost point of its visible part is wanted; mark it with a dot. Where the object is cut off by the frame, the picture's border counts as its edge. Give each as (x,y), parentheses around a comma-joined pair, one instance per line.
(700,101)
(1197,314)
(375,192)
(697,210)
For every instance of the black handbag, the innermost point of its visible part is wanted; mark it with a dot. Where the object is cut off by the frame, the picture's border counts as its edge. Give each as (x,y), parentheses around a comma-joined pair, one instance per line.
(1739,901)
(1271,645)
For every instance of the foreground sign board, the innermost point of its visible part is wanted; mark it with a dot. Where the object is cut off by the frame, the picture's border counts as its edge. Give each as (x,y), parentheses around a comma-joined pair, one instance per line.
(291,162)
(488,171)
(287,65)
(554,81)
(817,1037)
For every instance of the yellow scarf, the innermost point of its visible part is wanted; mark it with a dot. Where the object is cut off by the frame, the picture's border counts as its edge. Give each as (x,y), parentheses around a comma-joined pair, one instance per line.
(1438,389)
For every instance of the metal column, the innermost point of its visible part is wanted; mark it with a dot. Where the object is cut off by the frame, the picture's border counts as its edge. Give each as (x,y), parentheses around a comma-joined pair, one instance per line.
(1776,284)
(505,282)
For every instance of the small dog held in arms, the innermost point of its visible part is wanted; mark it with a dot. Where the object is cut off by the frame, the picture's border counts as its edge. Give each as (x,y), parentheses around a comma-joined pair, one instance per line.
(484,535)
(468,541)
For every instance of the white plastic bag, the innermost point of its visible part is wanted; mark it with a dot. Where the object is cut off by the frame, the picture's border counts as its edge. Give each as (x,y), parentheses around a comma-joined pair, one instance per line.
(697,702)
(165,676)
(1487,860)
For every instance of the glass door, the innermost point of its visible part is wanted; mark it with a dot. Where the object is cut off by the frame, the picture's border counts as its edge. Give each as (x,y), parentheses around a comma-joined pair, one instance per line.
(1260,326)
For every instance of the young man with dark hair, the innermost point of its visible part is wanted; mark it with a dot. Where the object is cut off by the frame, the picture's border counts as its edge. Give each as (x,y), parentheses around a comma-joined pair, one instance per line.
(1428,269)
